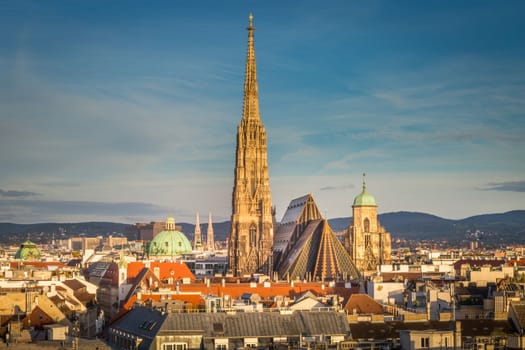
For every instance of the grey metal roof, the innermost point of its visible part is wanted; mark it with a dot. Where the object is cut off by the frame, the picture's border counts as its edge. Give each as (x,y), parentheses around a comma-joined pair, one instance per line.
(294,210)
(142,322)
(288,223)
(147,323)
(519,311)
(257,324)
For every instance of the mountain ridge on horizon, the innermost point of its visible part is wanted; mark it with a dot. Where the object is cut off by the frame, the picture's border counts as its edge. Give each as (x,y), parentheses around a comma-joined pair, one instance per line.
(204,224)
(505,227)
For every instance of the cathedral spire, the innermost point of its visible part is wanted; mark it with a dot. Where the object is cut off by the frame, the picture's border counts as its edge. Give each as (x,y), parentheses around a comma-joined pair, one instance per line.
(197,237)
(209,235)
(251,90)
(251,235)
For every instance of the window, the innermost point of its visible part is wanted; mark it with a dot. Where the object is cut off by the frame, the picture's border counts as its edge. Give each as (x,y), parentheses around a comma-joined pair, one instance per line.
(425,342)
(253,235)
(174,346)
(250,342)
(221,343)
(367,241)
(366,225)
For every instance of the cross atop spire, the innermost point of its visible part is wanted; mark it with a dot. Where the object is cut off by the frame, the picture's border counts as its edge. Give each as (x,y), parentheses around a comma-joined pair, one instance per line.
(364,182)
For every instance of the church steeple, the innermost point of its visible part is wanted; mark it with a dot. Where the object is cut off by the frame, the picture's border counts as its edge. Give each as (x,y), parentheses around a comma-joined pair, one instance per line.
(197,237)
(209,235)
(251,89)
(251,235)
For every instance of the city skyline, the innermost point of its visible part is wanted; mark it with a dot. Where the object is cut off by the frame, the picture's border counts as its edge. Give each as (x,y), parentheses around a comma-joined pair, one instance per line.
(129,113)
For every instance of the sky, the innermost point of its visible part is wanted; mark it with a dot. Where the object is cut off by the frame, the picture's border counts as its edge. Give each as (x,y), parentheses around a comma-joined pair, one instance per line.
(127,111)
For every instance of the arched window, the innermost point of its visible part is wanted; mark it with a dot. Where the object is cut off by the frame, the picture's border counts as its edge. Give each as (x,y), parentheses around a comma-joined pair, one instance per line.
(253,235)
(366,225)
(367,241)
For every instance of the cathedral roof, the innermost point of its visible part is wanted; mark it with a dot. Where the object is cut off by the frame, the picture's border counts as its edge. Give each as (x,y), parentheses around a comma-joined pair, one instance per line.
(170,242)
(364,199)
(305,245)
(27,251)
(300,211)
(318,253)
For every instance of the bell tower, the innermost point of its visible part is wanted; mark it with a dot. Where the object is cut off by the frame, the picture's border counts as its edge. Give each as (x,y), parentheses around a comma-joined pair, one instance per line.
(368,241)
(251,234)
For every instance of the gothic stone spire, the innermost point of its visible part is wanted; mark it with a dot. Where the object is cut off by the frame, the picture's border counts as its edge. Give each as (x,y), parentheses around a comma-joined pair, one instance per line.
(197,237)
(251,90)
(209,235)
(251,234)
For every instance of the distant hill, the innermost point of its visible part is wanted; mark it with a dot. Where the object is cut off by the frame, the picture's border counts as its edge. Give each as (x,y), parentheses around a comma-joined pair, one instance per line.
(404,223)
(43,232)
(504,228)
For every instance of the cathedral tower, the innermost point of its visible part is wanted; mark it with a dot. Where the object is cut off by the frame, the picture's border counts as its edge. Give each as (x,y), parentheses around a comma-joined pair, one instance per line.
(251,234)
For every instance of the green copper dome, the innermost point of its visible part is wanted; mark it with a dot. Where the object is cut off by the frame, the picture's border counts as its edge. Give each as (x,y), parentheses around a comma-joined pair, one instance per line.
(170,242)
(364,199)
(27,251)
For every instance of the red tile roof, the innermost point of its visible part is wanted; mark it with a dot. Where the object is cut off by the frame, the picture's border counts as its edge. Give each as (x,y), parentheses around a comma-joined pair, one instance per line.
(516,262)
(193,299)
(235,290)
(175,270)
(363,304)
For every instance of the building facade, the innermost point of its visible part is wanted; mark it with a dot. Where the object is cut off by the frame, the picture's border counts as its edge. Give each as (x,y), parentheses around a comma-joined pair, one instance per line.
(145,328)
(251,234)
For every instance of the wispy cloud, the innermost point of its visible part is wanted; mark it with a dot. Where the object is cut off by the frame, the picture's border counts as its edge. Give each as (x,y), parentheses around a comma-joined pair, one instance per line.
(97,108)
(14,193)
(509,186)
(337,187)
(27,211)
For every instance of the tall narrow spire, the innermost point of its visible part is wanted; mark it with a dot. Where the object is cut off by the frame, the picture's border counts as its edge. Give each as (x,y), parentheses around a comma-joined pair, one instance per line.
(197,237)
(251,235)
(209,235)
(251,89)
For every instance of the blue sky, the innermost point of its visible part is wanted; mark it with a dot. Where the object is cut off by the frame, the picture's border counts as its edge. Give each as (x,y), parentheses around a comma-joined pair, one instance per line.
(127,110)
